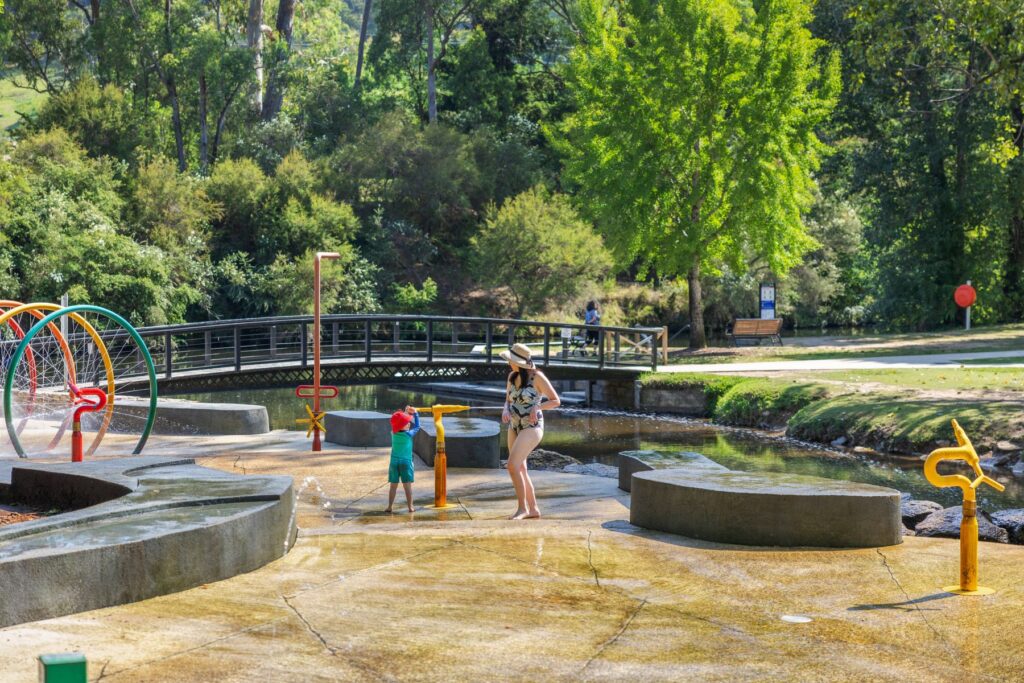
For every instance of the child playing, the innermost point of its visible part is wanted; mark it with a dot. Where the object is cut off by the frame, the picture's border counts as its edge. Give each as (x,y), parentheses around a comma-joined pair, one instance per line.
(404,425)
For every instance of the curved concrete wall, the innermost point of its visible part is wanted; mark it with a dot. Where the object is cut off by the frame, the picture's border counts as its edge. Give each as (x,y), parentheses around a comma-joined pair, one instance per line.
(766,509)
(176,526)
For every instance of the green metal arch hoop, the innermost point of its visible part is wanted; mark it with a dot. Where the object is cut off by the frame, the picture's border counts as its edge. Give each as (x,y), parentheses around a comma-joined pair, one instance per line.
(39,326)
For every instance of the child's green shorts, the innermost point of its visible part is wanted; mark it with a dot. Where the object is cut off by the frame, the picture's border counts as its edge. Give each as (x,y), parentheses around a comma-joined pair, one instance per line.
(400,470)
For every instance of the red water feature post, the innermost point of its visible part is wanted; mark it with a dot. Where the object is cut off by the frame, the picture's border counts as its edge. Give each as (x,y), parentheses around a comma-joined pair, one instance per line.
(315,391)
(85,406)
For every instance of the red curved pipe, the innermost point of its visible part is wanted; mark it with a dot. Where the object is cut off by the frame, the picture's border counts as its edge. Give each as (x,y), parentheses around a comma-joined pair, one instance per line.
(87,406)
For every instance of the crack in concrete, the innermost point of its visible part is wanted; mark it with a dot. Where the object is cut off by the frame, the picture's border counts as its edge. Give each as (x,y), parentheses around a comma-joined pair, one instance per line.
(465,509)
(254,627)
(235,464)
(103,671)
(333,651)
(618,634)
(383,565)
(590,559)
(917,608)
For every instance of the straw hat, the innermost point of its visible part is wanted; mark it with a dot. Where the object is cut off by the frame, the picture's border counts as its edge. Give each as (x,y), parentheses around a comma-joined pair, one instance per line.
(519,355)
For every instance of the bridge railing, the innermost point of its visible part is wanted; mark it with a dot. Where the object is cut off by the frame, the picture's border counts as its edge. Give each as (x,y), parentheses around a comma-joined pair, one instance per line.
(368,339)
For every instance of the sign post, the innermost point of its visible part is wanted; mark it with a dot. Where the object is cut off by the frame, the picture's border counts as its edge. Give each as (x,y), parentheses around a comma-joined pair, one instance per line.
(965,296)
(767,301)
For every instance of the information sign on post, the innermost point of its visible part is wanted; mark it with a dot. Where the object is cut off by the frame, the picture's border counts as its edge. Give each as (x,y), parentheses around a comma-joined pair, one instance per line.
(767,301)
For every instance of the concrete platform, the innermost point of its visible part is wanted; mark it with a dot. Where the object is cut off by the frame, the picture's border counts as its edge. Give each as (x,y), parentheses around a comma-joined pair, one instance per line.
(358,428)
(766,509)
(181,417)
(138,528)
(630,462)
(469,442)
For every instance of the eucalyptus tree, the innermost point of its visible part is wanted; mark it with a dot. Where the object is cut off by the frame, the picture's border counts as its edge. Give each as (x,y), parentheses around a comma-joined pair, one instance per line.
(693,141)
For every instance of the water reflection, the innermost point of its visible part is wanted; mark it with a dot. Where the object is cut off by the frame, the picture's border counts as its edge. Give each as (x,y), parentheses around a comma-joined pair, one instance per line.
(595,436)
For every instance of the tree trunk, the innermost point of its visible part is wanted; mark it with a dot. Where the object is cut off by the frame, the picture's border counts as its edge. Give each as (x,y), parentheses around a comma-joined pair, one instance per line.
(179,138)
(431,69)
(172,91)
(275,86)
(221,120)
(363,29)
(254,39)
(94,12)
(204,133)
(698,340)
(1014,284)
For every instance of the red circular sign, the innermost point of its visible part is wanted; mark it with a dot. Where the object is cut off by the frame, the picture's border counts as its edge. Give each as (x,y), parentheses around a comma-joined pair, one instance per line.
(965,296)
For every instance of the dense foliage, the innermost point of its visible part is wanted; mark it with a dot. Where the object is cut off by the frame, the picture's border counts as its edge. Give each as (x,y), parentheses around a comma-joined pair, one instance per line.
(477,156)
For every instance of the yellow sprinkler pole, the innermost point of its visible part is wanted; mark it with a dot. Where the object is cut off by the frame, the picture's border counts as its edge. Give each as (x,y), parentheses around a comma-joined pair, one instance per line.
(440,456)
(969,522)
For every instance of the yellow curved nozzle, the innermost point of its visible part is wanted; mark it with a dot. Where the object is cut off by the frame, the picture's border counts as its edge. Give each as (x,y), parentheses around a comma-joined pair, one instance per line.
(964,451)
(443,409)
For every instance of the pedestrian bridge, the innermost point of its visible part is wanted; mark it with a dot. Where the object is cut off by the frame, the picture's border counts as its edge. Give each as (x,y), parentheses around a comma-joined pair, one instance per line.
(389,349)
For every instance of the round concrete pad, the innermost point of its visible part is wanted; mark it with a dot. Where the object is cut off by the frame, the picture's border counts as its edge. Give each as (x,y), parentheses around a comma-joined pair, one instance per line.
(361,428)
(766,508)
(645,461)
(178,416)
(469,442)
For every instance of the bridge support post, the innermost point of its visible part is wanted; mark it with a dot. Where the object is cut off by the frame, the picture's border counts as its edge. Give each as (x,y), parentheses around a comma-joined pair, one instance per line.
(489,340)
(273,341)
(430,341)
(367,348)
(208,348)
(304,344)
(238,348)
(168,355)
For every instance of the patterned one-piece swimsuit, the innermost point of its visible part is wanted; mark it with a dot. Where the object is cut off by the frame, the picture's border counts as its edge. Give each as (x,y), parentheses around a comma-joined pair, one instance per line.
(521,401)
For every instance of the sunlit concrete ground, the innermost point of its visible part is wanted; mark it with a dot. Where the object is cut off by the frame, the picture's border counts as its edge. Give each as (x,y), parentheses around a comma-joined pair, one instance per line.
(462,595)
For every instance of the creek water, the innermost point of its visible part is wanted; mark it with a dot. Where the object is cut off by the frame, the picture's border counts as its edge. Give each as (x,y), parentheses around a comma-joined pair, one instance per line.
(598,436)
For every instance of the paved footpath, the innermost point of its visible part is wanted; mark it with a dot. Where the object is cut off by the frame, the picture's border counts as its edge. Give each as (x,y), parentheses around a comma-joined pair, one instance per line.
(944,360)
(463,595)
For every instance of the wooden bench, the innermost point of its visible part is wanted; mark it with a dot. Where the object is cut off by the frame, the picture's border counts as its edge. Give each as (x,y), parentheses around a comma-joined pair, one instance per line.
(755,329)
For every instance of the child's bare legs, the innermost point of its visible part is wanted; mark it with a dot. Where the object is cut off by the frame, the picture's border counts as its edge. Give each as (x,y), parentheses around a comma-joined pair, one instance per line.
(519,448)
(391,495)
(408,494)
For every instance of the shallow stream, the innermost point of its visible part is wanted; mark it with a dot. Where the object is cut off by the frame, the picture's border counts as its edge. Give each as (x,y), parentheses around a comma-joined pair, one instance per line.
(598,436)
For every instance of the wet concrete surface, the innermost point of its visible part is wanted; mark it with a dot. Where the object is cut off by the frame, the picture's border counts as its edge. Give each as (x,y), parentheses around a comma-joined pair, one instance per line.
(461,594)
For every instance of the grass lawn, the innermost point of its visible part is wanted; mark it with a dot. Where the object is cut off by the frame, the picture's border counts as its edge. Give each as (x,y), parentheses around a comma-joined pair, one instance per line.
(14,100)
(951,378)
(993,338)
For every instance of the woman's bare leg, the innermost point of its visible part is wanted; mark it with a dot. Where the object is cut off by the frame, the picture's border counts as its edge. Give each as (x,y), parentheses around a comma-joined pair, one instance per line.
(517,480)
(527,440)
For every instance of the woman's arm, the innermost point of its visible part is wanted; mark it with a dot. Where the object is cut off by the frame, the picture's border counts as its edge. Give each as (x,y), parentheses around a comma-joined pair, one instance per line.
(547,391)
(506,416)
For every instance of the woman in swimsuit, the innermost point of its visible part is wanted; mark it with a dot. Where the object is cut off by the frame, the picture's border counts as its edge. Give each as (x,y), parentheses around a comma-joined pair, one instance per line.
(527,393)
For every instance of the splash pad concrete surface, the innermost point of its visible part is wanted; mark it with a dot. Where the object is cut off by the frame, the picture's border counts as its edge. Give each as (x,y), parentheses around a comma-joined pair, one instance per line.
(462,594)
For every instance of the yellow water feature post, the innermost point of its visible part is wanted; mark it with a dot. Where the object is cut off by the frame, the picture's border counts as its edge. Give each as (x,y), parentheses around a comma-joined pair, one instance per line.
(440,456)
(969,524)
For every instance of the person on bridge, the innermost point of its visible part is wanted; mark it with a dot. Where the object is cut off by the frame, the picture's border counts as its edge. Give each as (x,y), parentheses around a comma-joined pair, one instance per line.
(527,394)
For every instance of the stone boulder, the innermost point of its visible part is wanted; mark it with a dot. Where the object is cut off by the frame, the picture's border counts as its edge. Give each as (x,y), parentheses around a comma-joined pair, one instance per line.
(541,459)
(594,469)
(1013,522)
(913,511)
(946,524)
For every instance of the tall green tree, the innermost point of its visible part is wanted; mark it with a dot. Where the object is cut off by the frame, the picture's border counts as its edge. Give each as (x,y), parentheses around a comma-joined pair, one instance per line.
(694,139)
